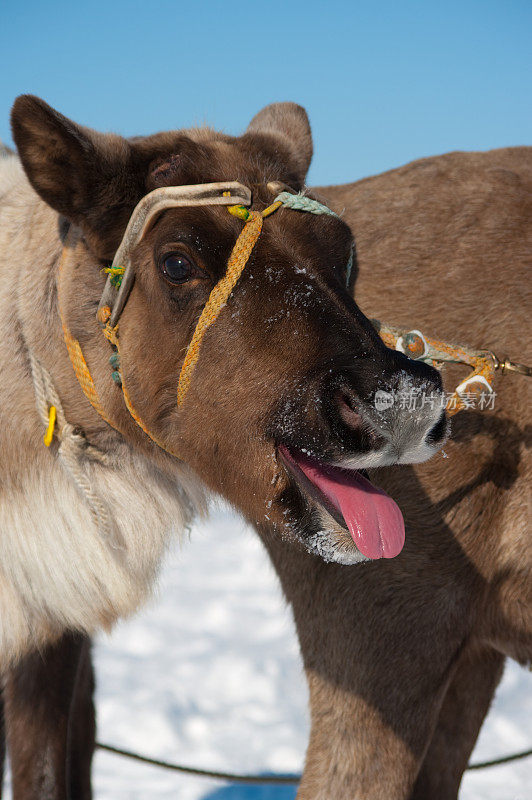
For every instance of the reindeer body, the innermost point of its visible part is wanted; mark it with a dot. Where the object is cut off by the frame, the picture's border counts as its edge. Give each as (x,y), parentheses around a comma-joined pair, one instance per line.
(445,245)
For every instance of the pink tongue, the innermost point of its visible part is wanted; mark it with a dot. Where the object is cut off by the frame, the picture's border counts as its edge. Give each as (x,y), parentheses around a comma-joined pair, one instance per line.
(373,518)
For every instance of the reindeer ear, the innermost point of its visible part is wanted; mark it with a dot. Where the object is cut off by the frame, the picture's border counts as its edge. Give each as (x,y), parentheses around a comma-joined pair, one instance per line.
(83,174)
(289,124)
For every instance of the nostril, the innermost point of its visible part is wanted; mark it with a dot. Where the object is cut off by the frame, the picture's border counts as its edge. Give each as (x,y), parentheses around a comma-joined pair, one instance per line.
(348,410)
(438,431)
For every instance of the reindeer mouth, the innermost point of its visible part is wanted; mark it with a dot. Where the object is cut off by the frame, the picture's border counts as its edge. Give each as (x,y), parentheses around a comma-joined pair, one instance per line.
(370,515)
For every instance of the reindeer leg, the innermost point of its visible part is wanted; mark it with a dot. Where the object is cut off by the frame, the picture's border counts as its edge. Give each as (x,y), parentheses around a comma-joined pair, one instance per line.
(82,728)
(463,711)
(379,649)
(40,693)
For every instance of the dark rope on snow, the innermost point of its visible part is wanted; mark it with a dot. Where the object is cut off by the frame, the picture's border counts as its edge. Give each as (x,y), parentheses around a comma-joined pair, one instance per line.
(272,779)
(501,760)
(204,773)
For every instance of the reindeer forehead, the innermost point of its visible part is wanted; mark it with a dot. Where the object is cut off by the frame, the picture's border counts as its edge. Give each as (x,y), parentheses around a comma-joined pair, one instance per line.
(204,156)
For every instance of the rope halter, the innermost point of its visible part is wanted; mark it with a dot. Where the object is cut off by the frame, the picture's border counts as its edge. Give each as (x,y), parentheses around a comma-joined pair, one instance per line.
(237,197)
(121,275)
(74,450)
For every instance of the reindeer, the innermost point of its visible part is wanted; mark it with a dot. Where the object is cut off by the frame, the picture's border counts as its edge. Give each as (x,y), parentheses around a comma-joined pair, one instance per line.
(276,412)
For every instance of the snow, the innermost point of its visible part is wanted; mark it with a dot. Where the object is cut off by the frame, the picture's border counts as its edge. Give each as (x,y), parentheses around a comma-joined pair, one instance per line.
(209,676)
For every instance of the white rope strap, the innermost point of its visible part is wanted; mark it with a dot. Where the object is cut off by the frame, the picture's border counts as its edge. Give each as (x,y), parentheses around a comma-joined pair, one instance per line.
(300,202)
(74,451)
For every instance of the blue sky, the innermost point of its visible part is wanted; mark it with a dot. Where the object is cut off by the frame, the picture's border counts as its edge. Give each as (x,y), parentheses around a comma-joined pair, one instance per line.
(383,82)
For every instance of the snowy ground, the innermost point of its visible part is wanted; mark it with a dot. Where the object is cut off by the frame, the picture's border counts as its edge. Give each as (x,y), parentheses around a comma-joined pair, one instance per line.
(210,676)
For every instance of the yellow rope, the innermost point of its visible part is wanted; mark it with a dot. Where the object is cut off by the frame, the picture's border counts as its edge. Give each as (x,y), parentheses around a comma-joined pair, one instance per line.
(83,375)
(82,372)
(272,208)
(49,435)
(219,295)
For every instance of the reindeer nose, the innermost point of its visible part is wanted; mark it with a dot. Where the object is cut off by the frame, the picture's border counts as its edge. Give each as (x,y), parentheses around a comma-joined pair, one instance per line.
(397,419)
(412,419)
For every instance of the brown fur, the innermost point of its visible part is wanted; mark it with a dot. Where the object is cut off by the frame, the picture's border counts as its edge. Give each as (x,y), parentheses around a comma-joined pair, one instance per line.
(389,647)
(404,657)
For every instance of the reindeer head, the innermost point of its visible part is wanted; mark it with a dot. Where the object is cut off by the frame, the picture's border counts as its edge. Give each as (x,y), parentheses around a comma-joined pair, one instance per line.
(279,416)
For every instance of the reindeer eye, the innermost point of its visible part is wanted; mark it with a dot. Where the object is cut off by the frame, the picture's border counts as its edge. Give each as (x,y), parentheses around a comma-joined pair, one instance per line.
(177,268)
